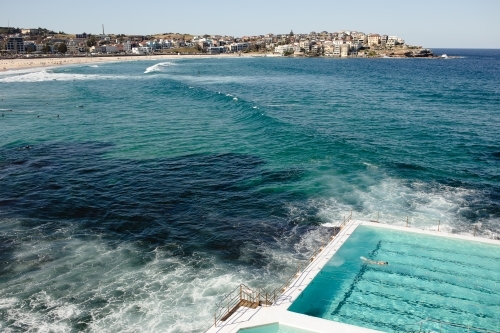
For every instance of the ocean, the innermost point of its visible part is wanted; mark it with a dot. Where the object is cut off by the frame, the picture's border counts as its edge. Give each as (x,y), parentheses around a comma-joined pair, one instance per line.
(134,195)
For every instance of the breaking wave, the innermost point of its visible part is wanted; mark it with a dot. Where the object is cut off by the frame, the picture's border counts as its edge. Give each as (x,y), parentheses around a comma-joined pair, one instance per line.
(159,67)
(47,75)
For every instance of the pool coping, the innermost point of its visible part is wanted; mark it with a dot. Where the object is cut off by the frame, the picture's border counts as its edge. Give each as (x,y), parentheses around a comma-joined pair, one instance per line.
(278,312)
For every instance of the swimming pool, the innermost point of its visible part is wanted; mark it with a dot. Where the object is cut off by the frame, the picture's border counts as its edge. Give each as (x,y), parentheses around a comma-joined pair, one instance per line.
(273,328)
(428,279)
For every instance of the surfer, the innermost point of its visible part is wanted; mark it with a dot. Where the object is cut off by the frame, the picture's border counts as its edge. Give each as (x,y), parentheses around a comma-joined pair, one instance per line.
(373,262)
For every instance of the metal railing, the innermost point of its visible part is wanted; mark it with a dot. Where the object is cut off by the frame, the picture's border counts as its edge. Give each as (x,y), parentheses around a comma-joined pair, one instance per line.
(444,326)
(245,296)
(233,300)
(475,231)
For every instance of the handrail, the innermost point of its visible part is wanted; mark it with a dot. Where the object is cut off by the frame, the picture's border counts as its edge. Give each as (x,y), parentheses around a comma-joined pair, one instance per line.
(469,328)
(260,296)
(476,231)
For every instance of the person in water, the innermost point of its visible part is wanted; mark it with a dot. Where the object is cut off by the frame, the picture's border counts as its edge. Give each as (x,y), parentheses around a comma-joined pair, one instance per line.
(373,262)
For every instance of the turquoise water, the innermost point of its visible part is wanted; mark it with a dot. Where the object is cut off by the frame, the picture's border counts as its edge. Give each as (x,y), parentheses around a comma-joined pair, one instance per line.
(180,179)
(428,278)
(273,328)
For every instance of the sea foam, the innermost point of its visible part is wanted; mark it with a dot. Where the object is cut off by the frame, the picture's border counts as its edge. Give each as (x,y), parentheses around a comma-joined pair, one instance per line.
(45,75)
(159,67)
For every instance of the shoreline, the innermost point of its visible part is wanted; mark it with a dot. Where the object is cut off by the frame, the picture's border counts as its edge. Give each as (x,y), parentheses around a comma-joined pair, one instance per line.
(46,62)
(29,63)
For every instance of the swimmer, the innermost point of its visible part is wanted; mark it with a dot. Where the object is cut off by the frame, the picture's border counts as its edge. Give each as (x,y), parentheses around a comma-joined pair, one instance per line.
(373,262)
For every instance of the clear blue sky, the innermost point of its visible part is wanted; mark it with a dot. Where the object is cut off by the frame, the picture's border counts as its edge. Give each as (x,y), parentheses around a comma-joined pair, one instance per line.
(430,23)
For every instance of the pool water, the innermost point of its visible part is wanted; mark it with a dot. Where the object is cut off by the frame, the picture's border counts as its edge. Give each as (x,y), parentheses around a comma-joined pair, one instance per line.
(273,328)
(428,279)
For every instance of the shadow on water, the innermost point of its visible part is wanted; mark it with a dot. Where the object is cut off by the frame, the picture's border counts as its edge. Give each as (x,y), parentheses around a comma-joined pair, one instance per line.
(205,202)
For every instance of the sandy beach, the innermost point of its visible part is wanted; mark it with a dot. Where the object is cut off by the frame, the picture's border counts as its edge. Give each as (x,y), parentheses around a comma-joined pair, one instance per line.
(24,63)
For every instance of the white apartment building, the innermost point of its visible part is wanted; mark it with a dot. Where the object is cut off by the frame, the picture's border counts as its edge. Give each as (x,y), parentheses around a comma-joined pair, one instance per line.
(336,50)
(127,46)
(305,44)
(344,50)
(216,49)
(391,41)
(238,47)
(281,49)
(110,49)
(329,48)
(72,47)
(141,50)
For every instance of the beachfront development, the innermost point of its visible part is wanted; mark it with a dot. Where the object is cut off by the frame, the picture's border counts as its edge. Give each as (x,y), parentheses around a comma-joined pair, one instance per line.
(344,43)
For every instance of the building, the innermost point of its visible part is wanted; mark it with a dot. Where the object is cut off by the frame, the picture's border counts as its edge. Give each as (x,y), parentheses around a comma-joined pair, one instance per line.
(336,50)
(282,49)
(238,47)
(305,44)
(392,41)
(29,46)
(216,49)
(127,47)
(344,50)
(72,47)
(374,40)
(83,36)
(109,49)
(383,40)
(15,44)
(141,50)
(329,48)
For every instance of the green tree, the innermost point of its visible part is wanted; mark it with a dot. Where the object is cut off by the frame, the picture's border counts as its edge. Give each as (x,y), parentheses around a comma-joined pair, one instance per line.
(30,48)
(46,48)
(91,41)
(62,48)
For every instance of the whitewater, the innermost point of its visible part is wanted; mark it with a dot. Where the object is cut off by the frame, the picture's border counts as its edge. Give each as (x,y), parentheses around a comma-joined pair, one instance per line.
(135,195)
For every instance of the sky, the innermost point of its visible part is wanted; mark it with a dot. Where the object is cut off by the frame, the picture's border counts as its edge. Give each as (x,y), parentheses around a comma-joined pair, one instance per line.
(427,23)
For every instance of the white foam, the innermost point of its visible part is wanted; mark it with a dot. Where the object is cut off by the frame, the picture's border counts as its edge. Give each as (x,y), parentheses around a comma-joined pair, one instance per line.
(46,75)
(8,302)
(159,67)
(391,201)
(168,293)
